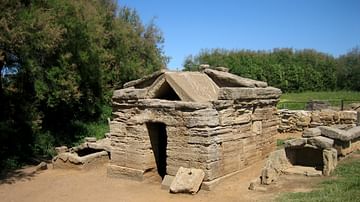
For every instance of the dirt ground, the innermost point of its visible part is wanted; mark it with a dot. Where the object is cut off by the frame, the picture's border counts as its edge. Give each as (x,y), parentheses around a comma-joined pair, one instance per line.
(93,185)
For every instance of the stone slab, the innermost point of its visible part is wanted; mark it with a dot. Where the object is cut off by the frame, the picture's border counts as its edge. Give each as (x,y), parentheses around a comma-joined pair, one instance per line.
(192,86)
(187,180)
(225,79)
(231,93)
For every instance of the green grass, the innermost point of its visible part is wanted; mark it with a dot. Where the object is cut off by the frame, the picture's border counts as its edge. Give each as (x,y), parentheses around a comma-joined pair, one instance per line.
(298,100)
(345,186)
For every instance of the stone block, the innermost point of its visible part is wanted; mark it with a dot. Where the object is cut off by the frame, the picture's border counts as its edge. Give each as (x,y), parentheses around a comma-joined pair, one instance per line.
(187,180)
(298,142)
(334,133)
(329,160)
(321,142)
(311,132)
(248,93)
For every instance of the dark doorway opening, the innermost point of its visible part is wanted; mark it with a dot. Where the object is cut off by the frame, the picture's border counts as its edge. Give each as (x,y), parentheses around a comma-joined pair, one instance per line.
(306,156)
(158,139)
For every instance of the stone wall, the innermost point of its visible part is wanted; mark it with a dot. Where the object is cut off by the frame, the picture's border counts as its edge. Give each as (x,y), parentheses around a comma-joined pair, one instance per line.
(220,137)
(298,120)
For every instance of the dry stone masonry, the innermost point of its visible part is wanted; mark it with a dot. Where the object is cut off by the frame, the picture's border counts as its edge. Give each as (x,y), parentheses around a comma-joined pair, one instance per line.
(298,120)
(210,120)
(314,154)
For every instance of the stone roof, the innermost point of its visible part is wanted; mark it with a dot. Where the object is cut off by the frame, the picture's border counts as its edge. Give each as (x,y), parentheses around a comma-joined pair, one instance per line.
(207,85)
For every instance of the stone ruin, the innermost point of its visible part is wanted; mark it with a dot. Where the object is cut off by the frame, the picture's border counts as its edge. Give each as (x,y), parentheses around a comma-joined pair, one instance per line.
(210,120)
(316,153)
(299,120)
(87,155)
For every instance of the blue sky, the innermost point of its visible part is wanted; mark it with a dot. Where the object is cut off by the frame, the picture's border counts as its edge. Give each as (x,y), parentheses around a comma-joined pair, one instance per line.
(330,26)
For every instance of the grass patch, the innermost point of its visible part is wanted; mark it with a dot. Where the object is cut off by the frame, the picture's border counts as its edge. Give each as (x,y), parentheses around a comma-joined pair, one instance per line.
(298,100)
(346,186)
(280,142)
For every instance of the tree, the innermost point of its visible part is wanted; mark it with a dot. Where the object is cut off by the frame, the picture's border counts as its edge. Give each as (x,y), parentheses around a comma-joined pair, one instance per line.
(70,56)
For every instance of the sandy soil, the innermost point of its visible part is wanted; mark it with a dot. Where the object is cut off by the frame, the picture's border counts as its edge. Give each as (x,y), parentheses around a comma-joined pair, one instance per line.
(94,185)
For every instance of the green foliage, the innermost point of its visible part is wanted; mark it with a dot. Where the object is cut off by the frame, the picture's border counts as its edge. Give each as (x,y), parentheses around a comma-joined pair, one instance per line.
(70,55)
(346,187)
(287,69)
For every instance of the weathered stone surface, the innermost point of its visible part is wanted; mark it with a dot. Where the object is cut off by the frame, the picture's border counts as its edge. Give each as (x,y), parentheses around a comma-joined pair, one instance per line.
(166,182)
(348,115)
(274,165)
(61,149)
(334,133)
(311,132)
(192,86)
(225,79)
(330,161)
(41,166)
(125,172)
(230,93)
(144,81)
(298,120)
(354,132)
(303,170)
(298,142)
(219,137)
(90,139)
(187,180)
(321,142)
(129,94)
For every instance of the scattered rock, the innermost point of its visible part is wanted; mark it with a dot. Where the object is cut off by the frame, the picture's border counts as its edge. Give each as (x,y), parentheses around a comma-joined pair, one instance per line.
(41,166)
(303,170)
(61,149)
(187,180)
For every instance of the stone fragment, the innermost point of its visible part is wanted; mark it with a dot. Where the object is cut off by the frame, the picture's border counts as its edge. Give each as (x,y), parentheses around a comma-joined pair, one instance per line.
(348,115)
(311,132)
(298,142)
(61,149)
(166,182)
(334,133)
(329,160)
(321,142)
(275,164)
(90,139)
(41,166)
(187,180)
(303,170)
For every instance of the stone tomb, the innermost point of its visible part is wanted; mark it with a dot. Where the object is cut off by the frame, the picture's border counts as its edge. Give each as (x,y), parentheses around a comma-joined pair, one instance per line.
(210,120)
